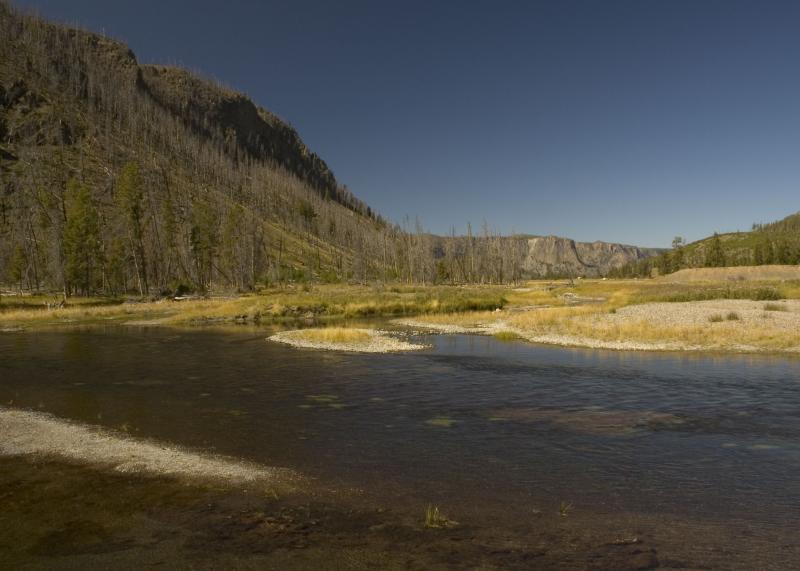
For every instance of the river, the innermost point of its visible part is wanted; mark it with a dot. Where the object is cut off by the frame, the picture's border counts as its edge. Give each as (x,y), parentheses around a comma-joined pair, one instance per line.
(697,456)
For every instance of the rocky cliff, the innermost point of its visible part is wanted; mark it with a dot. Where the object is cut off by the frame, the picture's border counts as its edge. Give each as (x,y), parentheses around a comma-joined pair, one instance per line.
(554,256)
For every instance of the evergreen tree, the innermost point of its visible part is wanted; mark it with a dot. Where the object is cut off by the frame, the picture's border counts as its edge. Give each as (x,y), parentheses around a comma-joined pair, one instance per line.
(783,253)
(19,266)
(116,265)
(204,240)
(677,259)
(715,255)
(82,246)
(232,244)
(130,197)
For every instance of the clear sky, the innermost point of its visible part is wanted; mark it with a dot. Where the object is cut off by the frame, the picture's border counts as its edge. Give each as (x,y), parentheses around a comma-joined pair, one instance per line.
(628,121)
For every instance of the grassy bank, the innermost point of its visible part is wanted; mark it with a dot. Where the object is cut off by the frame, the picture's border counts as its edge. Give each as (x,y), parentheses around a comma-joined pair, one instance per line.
(268,305)
(644,314)
(618,314)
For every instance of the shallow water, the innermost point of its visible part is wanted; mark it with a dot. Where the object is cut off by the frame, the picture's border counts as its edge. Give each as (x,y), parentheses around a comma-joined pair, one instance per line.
(491,431)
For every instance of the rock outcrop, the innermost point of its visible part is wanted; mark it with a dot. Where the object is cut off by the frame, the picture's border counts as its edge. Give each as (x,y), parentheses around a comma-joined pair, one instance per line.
(552,256)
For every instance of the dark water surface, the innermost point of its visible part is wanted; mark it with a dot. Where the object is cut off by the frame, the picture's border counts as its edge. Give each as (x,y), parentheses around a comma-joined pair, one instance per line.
(489,430)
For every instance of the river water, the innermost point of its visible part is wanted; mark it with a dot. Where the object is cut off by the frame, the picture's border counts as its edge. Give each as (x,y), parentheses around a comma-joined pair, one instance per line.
(491,431)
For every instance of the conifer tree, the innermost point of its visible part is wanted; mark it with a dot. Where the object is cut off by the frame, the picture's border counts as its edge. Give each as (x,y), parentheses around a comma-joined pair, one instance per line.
(715,256)
(204,240)
(82,246)
(129,200)
(19,266)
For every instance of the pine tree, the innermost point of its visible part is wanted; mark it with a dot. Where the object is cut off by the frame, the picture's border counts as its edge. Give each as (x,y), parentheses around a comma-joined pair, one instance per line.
(129,200)
(82,246)
(231,245)
(715,255)
(19,266)
(204,240)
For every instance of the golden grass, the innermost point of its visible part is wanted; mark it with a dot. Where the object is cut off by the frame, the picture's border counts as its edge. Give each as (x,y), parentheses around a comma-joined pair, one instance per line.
(334,335)
(322,301)
(461,318)
(718,335)
(543,320)
(590,321)
(538,308)
(506,335)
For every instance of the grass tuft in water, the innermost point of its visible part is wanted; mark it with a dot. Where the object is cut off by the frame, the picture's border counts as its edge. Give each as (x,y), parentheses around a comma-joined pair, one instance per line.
(443,421)
(322,399)
(435,519)
(506,336)
(564,508)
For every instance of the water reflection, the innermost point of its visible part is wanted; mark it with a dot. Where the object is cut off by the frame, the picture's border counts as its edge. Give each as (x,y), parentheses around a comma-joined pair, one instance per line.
(502,427)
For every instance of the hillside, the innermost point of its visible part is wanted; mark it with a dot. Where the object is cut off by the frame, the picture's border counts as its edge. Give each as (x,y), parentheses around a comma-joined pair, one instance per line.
(118,177)
(123,177)
(774,243)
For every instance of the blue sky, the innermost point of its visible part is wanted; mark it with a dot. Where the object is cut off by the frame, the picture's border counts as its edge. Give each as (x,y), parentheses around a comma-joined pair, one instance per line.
(628,121)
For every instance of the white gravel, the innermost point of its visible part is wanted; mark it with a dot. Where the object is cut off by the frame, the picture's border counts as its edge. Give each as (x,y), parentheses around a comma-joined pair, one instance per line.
(695,313)
(25,433)
(699,312)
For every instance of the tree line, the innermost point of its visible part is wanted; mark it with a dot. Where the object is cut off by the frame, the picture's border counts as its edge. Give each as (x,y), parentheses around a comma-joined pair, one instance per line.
(105,189)
(776,243)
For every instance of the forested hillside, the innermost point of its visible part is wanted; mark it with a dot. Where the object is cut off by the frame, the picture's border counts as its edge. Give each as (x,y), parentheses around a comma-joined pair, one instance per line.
(120,177)
(117,177)
(774,243)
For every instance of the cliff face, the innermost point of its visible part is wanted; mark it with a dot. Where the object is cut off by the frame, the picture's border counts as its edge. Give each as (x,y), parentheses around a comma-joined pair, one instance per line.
(555,256)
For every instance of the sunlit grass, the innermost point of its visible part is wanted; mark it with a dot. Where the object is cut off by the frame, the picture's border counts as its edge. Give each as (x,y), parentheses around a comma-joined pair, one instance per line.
(462,318)
(538,308)
(506,336)
(335,301)
(720,333)
(334,335)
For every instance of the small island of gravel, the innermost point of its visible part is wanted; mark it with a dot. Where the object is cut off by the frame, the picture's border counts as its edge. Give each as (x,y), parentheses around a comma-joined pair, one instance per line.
(345,339)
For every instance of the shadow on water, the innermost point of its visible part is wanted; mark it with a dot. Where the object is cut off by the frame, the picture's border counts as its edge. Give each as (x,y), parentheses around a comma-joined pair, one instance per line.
(499,434)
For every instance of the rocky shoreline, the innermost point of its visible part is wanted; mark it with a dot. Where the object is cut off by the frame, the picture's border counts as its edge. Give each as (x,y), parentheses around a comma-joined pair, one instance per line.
(377,342)
(737,316)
